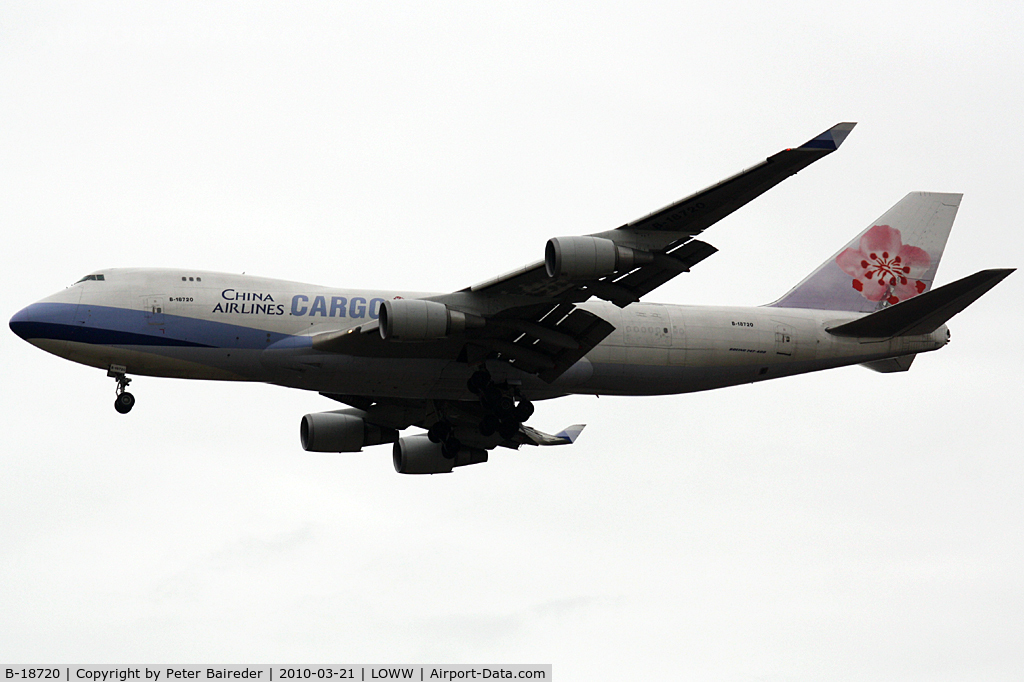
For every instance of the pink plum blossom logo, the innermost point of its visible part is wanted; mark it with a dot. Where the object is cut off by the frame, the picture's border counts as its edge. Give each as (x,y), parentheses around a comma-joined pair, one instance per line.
(884,268)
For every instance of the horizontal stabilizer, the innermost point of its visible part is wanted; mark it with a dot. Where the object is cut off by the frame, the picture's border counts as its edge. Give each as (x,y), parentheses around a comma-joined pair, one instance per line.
(566,436)
(900,364)
(925,313)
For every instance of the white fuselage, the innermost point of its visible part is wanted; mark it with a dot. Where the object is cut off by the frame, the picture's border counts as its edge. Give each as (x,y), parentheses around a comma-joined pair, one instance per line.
(204,325)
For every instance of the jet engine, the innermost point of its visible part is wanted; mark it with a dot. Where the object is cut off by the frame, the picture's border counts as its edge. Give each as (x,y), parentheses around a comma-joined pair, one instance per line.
(578,258)
(417,455)
(341,431)
(413,319)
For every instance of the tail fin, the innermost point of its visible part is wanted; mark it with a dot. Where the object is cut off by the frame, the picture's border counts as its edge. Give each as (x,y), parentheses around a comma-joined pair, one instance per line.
(894,259)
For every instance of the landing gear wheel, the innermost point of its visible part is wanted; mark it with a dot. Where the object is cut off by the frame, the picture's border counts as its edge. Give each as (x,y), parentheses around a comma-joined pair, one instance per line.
(504,406)
(524,410)
(124,403)
(450,447)
(439,432)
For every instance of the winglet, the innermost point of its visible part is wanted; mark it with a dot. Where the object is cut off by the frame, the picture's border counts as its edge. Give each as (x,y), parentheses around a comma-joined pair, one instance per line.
(571,433)
(831,138)
(566,436)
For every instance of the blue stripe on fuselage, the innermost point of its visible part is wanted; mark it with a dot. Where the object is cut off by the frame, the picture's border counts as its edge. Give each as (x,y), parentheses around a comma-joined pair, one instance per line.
(109,326)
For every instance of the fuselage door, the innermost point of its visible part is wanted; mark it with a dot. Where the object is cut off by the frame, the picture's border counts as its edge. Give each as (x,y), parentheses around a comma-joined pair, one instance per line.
(783,340)
(153,310)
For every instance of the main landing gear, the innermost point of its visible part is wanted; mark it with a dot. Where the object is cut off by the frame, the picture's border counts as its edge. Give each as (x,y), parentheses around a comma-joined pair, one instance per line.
(441,432)
(125,401)
(502,414)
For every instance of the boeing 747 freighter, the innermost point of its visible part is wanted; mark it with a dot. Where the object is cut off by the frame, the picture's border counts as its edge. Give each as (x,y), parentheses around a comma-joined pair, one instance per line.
(466,367)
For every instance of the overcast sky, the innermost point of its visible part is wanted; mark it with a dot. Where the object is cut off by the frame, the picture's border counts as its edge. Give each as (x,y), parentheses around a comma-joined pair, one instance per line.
(847,524)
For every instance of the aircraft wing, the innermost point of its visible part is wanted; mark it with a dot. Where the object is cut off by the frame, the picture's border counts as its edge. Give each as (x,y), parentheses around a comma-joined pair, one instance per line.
(667,234)
(697,212)
(532,319)
(529,317)
(544,339)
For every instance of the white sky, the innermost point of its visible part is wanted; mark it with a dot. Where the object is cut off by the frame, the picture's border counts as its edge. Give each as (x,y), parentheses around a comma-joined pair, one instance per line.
(846,524)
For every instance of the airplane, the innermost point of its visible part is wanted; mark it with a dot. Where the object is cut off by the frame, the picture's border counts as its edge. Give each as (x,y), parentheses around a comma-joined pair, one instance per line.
(467,366)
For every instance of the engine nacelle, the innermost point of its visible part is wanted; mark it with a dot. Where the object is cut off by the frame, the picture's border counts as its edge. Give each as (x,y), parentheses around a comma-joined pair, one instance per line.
(417,455)
(579,258)
(341,431)
(413,319)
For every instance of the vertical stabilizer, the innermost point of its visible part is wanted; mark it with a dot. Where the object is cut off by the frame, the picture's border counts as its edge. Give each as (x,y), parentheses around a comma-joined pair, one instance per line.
(893,260)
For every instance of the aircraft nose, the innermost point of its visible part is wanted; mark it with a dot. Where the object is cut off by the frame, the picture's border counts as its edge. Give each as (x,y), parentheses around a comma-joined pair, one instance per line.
(43,321)
(21,323)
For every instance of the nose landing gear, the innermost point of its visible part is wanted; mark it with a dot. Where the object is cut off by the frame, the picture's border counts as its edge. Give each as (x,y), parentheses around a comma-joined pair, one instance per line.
(125,401)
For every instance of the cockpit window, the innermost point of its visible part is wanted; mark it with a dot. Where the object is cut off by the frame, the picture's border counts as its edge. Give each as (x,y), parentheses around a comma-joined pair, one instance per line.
(93,278)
